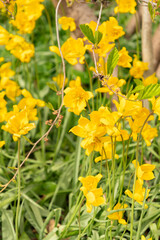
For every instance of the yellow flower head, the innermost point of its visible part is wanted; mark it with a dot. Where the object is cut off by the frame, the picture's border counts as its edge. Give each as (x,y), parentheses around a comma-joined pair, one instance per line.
(27,13)
(118,215)
(67,23)
(150,80)
(2,143)
(144,172)
(59,80)
(18,123)
(124,58)
(139,193)
(91,192)
(125,6)
(4,36)
(20,48)
(92,134)
(128,108)
(138,68)
(156,106)
(72,50)
(76,97)
(114,85)
(111,29)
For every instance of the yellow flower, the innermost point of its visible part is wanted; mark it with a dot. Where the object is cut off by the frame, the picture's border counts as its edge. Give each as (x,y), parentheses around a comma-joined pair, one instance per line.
(114,85)
(76,97)
(144,172)
(128,108)
(125,6)
(59,80)
(92,134)
(27,13)
(3,112)
(101,67)
(118,215)
(67,23)
(18,123)
(106,151)
(124,58)
(143,238)
(156,106)
(4,36)
(20,48)
(111,29)
(2,143)
(71,50)
(1,59)
(149,133)
(150,80)
(139,193)
(5,71)
(138,68)
(91,192)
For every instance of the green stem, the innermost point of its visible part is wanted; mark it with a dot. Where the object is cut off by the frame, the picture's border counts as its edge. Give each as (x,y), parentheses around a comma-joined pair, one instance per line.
(19,192)
(137,32)
(50,25)
(137,149)
(90,82)
(113,169)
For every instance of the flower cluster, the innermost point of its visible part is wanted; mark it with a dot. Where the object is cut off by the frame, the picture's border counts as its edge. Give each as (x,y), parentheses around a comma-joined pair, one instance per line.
(16,45)
(91,192)
(17,121)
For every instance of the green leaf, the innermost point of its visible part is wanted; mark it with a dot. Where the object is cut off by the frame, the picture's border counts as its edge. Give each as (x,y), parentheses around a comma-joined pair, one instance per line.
(129,92)
(149,91)
(15,9)
(112,60)
(28,140)
(52,86)
(138,81)
(50,106)
(138,88)
(24,236)
(98,37)
(8,232)
(87,31)
(151,11)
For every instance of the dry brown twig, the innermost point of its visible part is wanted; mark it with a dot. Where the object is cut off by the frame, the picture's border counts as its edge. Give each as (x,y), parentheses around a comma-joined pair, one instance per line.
(58,111)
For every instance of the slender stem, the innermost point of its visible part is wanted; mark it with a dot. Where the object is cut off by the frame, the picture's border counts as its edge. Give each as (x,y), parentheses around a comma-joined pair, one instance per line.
(19,192)
(90,82)
(137,32)
(134,185)
(113,168)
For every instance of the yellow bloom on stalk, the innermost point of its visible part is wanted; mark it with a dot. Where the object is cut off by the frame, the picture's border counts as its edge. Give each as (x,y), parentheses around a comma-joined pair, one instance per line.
(138,68)
(143,238)
(111,29)
(150,80)
(29,103)
(20,48)
(59,80)
(5,71)
(12,89)
(92,134)
(106,119)
(67,23)
(2,143)
(3,109)
(125,6)
(118,215)
(124,58)
(149,133)
(91,192)
(18,124)
(4,36)
(128,108)
(27,13)
(72,50)
(113,83)
(101,67)
(156,106)
(76,97)
(144,171)
(139,193)
(1,59)
(106,151)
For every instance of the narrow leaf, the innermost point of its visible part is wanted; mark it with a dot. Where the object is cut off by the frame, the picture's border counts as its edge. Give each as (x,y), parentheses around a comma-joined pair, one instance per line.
(52,86)
(87,31)
(98,37)
(149,91)
(112,60)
